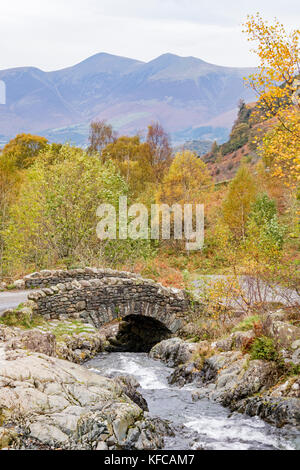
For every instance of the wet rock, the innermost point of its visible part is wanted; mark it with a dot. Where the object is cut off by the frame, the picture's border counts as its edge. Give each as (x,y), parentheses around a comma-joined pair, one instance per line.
(185,374)
(174,351)
(130,387)
(213,365)
(277,411)
(258,377)
(235,377)
(232,380)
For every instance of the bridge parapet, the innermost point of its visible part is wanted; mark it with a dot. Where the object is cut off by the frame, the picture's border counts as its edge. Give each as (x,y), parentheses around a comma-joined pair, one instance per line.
(48,278)
(100,301)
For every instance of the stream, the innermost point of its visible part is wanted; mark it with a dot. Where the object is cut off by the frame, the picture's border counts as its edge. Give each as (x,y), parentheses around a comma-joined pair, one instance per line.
(200,425)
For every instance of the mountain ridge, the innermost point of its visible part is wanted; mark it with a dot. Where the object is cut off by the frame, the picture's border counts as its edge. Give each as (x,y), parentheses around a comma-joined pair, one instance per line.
(181,92)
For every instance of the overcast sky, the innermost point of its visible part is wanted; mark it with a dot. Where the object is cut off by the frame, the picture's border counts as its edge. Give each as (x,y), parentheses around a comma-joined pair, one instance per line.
(52,34)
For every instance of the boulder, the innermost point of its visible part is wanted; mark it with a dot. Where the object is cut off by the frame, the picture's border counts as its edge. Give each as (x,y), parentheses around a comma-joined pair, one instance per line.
(19,284)
(284,333)
(174,351)
(3,286)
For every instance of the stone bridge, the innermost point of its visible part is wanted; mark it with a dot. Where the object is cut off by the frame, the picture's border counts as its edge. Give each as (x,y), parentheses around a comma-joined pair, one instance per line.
(100,301)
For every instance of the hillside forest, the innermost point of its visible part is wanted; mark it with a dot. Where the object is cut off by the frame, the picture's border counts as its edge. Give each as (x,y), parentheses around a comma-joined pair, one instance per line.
(49,193)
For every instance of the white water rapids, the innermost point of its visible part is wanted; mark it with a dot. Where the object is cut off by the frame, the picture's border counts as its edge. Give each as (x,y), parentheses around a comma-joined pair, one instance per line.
(199,425)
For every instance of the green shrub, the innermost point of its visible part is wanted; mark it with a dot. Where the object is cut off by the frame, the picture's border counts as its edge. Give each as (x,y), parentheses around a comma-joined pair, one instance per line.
(21,320)
(264,348)
(295,369)
(247,324)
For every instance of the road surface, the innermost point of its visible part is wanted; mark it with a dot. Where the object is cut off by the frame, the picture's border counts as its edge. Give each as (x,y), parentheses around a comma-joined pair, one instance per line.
(12,299)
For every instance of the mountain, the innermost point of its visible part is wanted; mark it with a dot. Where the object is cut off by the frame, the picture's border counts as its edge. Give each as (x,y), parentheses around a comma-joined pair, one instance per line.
(190,97)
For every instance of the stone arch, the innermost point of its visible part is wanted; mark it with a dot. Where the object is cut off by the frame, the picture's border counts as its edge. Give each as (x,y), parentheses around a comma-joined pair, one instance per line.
(100,301)
(138,333)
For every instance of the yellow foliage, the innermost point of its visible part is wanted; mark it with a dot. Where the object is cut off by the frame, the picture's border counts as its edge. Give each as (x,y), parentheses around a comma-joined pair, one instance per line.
(187,181)
(237,204)
(278,52)
(281,150)
(23,149)
(277,87)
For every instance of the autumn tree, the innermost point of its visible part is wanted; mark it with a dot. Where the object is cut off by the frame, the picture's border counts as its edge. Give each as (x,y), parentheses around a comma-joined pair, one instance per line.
(278,52)
(10,178)
(214,148)
(101,134)
(278,91)
(24,149)
(280,150)
(54,219)
(238,202)
(133,159)
(160,149)
(186,181)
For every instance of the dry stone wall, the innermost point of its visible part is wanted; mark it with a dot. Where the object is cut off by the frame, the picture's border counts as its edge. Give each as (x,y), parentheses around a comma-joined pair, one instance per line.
(100,301)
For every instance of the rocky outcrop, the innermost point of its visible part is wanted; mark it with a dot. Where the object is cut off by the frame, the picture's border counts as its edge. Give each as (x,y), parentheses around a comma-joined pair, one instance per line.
(71,346)
(34,341)
(276,411)
(100,301)
(280,406)
(80,347)
(232,379)
(47,403)
(173,351)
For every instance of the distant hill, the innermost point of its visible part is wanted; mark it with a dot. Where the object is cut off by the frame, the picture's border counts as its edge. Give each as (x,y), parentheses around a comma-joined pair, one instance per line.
(191,98)
(200,147)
